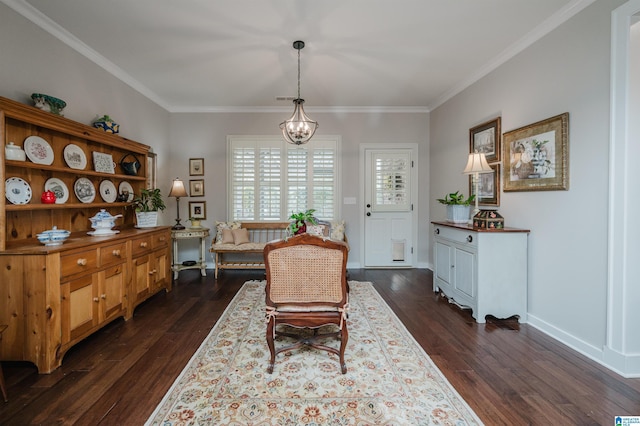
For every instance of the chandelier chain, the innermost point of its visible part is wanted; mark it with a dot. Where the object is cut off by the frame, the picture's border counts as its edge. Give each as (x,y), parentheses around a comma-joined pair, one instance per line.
(299,73)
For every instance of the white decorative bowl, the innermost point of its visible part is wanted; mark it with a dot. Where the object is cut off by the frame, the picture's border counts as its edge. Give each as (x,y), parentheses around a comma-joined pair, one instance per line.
(53,237)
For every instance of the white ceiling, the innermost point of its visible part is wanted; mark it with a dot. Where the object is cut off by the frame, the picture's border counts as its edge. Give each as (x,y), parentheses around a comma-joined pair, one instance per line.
(237,55)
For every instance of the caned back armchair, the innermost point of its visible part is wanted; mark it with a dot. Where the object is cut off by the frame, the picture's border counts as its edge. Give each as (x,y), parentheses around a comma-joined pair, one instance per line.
(306,288)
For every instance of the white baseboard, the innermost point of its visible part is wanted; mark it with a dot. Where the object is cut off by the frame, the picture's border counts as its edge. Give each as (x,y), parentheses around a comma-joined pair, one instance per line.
(627,366)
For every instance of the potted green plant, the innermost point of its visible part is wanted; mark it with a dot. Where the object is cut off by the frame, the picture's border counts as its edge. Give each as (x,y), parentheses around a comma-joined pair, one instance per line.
(195,222)
(299,221)
(147,205)
(458,206)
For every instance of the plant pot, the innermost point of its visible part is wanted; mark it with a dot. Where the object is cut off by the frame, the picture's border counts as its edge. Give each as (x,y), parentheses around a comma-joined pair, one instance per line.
(195,224)
(301,229)
(146,219)
(457,213)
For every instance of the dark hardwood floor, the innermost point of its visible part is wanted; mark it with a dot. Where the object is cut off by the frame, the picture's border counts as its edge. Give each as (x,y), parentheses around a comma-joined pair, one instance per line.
(510,374)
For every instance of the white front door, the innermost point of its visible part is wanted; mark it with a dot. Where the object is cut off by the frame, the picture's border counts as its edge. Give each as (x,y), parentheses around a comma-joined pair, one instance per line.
(388,235)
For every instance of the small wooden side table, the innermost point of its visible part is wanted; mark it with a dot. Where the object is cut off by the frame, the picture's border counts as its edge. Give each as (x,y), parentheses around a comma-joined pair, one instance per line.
(3,386)
(189,233)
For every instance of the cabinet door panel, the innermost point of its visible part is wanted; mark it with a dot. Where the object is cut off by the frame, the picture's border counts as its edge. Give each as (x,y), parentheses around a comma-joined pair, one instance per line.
(112,291)
(79,307)
(160,268)
(443,262)
(465,272)
(142,277)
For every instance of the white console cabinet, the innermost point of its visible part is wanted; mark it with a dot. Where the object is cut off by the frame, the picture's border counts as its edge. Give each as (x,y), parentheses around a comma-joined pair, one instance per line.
(483,270)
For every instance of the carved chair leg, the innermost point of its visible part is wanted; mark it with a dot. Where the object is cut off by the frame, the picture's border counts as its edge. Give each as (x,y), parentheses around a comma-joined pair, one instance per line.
(344,337)
(272,349)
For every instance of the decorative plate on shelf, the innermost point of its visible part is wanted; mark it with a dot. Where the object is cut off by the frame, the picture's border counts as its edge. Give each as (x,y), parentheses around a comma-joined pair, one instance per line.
(17,190)
(74,157)
(59,188)
(108,191)
(38,150)
(103,163)
(126,187)
(84,190)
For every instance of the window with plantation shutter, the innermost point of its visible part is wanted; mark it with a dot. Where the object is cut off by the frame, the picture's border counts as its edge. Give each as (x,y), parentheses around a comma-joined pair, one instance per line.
(269,179)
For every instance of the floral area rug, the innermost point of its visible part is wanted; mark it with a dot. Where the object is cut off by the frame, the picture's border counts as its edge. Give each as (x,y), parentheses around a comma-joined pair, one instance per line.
(390,380)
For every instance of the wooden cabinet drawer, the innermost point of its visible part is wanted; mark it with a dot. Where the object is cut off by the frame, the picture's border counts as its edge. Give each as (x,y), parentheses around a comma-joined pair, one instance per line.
(78,262)
(141,245)
(160,240)
(113,254)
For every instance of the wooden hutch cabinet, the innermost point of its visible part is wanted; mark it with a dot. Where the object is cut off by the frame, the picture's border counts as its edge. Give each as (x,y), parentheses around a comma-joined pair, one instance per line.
(52,297)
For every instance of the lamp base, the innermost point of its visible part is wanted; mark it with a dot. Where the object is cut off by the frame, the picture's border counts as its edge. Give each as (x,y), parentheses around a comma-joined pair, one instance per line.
(178,226)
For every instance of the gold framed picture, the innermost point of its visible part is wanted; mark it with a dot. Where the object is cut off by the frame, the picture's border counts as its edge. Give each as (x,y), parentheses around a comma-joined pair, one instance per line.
(488,187)
(485,139)
(536,157)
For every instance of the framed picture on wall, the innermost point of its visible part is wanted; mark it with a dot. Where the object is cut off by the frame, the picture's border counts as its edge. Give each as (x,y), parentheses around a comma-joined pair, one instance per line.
(488,187)
(196,188)
(536,157)
(485,139)
(196,166)
(198,209)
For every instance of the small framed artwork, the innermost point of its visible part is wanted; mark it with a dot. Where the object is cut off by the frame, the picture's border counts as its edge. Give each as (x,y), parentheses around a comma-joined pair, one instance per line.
(488,187)
(152,160)
(485,139)
(196,166)
(103,163)
(196,188)
(536,157)
(197,209)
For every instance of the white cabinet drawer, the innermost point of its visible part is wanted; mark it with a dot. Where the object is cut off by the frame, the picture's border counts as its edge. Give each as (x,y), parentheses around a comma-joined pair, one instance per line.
(460,236)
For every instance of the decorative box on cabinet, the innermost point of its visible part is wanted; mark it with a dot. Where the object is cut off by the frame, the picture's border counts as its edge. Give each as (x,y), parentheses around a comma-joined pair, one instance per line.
(54,296)
(484,270)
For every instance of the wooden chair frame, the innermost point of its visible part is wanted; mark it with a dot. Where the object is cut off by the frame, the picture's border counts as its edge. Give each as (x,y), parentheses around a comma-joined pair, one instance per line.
(307,289)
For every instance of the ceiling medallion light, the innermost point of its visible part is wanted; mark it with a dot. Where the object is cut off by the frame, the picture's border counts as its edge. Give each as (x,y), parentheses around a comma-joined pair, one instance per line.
(299,128)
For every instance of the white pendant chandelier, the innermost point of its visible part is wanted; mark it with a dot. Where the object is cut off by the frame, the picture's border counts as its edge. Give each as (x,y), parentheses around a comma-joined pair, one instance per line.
(299,128)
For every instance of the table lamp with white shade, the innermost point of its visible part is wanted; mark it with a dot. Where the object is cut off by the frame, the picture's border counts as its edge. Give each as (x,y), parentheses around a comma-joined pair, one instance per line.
(476,164)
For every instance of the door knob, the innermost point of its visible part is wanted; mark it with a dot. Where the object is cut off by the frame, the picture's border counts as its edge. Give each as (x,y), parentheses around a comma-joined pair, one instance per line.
(368,213)
(368,206)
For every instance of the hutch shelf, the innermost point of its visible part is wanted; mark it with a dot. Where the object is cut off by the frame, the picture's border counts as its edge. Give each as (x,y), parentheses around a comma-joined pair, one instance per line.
(51,297)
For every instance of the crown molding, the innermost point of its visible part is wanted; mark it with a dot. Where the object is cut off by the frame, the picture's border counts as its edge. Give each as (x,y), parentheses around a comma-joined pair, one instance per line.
(316,109)
(48,25)
(550,24)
